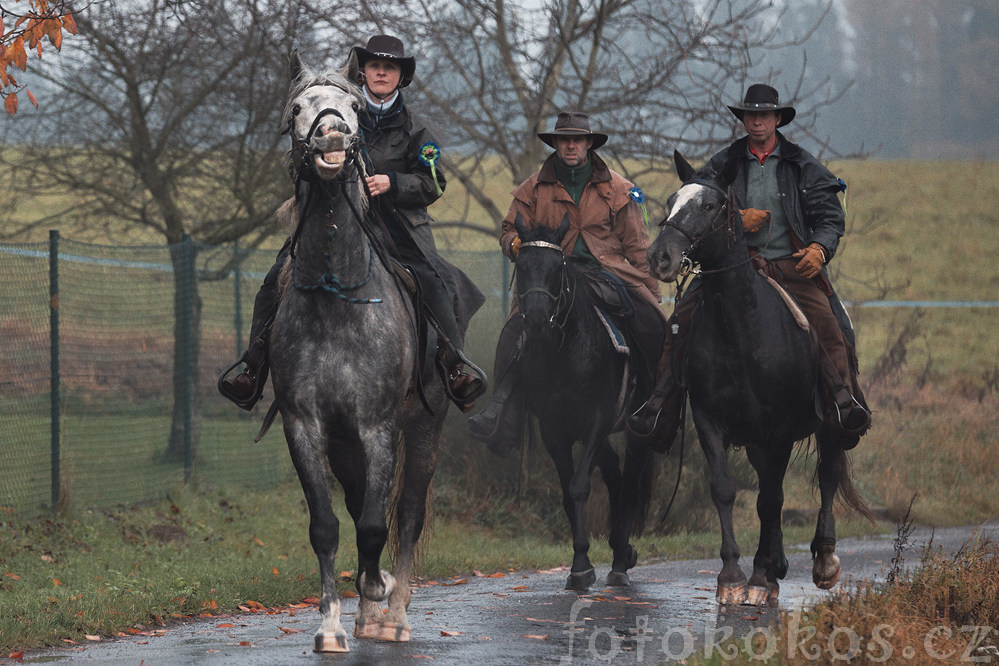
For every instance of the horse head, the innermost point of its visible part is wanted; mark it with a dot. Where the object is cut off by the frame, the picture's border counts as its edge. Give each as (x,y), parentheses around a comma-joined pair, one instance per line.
(698,222)
(321,117)
(541,275)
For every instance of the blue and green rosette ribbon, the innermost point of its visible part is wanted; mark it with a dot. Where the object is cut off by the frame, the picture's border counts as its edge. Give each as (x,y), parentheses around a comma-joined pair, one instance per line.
(639,197)
(430,152)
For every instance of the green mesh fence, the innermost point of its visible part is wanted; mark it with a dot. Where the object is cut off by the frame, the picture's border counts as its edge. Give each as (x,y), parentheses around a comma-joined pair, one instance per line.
(119,427)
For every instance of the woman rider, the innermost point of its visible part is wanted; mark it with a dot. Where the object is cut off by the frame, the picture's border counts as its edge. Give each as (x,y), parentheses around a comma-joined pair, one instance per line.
(401,155)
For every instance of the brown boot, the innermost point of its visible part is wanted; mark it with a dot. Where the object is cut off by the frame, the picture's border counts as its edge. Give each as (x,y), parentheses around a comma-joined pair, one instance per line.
(462,387)
(465,388)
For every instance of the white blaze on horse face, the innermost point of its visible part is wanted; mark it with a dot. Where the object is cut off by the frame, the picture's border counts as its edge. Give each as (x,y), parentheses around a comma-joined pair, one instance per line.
(687,194)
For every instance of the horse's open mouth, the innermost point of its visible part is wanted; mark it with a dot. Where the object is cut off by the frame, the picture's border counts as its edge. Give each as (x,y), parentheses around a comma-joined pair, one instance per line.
(331,160)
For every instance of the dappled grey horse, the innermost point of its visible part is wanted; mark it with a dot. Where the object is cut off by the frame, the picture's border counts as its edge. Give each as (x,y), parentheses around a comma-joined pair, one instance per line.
(345,363)
(752,377)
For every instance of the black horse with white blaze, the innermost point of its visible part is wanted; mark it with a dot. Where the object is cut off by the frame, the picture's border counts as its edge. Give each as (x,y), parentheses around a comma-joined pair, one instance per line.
(751,371)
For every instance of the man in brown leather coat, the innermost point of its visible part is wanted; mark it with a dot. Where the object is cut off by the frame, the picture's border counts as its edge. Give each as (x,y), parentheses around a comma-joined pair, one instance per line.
(605,228)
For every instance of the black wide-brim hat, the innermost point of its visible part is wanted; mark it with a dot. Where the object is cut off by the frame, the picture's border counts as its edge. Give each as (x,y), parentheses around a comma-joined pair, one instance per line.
(387,47)
(761,97)
(573,123)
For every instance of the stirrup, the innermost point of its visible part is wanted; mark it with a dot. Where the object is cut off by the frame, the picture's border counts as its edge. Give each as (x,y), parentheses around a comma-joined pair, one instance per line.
(446,361)
(258,386)
(859,430)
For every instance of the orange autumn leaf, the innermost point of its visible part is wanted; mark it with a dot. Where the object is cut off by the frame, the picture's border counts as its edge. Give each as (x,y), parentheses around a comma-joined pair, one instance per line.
(450,633)
(520,587)
(258,541)
(538,637)
(245,643)
(289,630)
(56,582)
(10,104)
(17,656)
(349,594)
(310,600)
(18,53)
(225,625)
(12,575)
(69,24)
(274,570)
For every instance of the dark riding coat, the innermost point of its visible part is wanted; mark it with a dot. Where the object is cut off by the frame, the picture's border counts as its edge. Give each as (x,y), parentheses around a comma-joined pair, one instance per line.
(392,145)
(808,191)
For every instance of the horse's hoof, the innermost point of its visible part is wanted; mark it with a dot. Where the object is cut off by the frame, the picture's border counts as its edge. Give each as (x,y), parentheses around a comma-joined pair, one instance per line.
(366,628)
(826,571)
(731,596)
(618,579)
(581,580)
(394,631)
(334,643)
(756,595)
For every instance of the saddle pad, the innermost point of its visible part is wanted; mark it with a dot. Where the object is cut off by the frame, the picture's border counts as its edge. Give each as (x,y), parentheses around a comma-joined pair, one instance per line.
(616,336)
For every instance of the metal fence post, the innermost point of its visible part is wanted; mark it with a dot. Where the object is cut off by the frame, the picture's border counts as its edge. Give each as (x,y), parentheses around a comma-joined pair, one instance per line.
(54,378)
(237,279)
(187,265)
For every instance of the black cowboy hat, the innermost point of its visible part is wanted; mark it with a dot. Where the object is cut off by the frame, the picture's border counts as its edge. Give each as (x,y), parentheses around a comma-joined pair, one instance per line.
(573,123)
(761,97)
(387,47)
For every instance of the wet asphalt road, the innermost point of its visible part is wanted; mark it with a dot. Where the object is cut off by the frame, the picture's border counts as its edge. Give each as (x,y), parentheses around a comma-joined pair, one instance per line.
(667,613)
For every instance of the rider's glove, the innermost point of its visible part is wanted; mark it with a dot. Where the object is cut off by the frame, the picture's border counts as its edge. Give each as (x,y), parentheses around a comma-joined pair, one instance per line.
(753,219)
(812,258)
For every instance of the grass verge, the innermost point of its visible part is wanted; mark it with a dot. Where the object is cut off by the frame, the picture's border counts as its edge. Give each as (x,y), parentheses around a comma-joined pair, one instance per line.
(110,572)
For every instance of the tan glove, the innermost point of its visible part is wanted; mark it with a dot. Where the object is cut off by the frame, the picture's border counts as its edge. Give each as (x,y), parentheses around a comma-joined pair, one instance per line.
(753,219)
(515,247)
(812,258)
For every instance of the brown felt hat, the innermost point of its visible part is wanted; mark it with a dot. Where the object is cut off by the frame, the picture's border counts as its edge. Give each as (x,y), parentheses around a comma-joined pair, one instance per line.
(573,123)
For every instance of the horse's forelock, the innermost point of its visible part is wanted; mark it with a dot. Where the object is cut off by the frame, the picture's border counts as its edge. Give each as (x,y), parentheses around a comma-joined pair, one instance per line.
(308,78)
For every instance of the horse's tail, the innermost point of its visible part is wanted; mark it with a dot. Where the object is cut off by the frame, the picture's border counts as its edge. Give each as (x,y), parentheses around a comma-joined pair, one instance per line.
(394,498)
(846,492)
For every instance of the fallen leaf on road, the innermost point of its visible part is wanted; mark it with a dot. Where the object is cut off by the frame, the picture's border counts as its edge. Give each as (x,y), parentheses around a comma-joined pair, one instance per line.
(520,587)
(536,637)
(706,571)
(450,633)
(460,581)
(225,625)
(349,594)
(91,637)
(310,600)
(289,630)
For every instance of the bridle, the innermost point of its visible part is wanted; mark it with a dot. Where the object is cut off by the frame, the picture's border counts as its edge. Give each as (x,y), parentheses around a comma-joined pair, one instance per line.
(687,265)
(563,300)
(302,151)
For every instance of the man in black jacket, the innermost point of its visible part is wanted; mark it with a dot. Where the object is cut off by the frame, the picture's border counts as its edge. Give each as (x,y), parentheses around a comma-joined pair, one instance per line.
(799,238)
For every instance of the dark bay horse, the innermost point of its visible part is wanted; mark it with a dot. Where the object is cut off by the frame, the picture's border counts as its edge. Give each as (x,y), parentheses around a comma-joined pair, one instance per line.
(577,387)
(752,378)
(344,359)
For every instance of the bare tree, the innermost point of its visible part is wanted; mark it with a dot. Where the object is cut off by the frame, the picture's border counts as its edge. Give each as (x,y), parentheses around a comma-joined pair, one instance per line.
(655,74)
(165,118)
